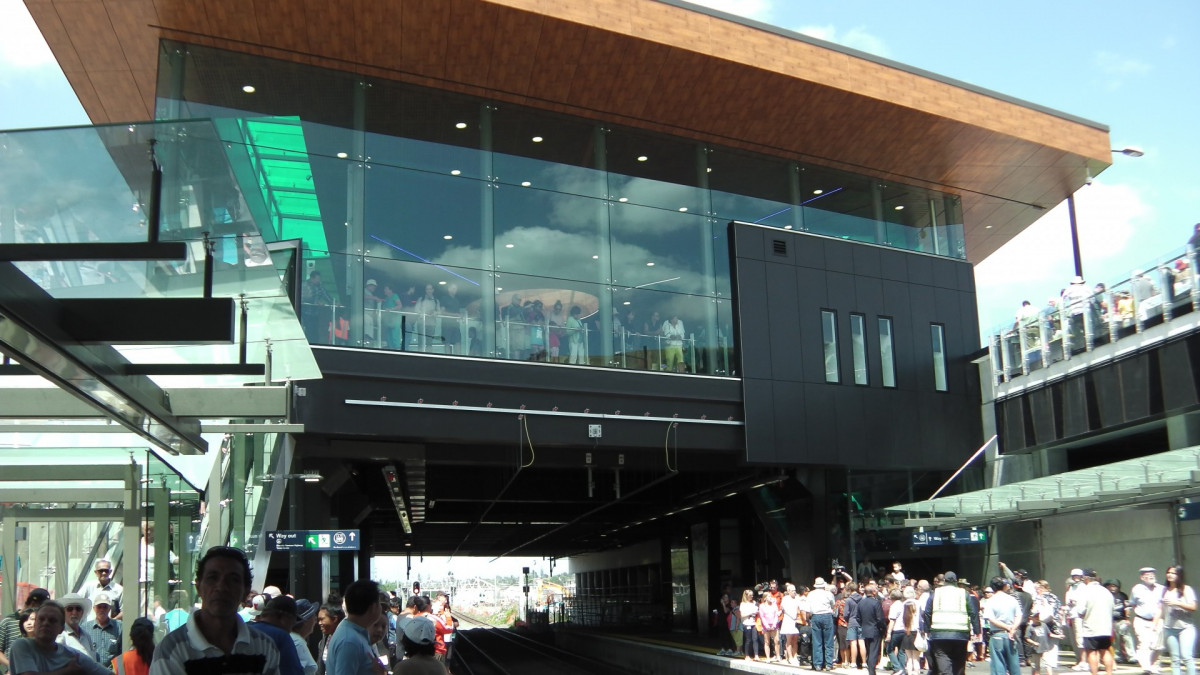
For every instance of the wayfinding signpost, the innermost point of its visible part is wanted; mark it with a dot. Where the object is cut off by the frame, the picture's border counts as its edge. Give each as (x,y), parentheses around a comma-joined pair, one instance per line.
(313,540)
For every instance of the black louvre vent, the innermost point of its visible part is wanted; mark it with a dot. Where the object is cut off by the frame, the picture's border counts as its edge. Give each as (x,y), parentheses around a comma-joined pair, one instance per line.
(780,247)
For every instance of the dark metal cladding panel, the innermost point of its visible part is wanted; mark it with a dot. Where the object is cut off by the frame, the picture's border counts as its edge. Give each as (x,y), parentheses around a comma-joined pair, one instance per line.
(790,440)
(839,256)
(1075,407)
(867,261)
(1041,404)
(784,328)
(893,266)
(1178,372)
(1135,389)
(754,317)
(1013,431)
(761,437)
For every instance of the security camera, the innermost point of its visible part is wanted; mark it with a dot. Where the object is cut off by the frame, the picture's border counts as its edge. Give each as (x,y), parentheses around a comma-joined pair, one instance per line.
(1088,181)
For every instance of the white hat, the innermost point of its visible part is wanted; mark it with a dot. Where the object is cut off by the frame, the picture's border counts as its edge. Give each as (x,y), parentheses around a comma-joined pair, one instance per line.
(76,599)
(1077,280)
(371,282)
(819,583)
(1076,572)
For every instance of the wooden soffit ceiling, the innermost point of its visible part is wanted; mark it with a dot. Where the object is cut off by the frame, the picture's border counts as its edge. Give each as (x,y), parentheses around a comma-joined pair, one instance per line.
(651,64)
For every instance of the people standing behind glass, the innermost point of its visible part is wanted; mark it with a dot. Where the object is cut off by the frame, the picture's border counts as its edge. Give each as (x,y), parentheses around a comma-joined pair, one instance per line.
(673,334)
(514,333)
(391,306)
(575,336)
(558,320)
(452,310)
(536,318)
(371,305)
(1179,633)
(1143,287)
(426,308)
(651,330)
(314,310)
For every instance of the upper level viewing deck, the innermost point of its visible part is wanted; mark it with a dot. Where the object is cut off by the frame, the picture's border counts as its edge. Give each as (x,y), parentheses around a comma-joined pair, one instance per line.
(1086,319)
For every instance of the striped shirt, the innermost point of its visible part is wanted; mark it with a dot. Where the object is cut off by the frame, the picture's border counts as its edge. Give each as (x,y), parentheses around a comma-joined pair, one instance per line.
(185,651)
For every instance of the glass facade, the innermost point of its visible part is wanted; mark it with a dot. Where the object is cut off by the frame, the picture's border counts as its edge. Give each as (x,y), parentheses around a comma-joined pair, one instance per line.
(484,224)
(938,335)
(887,358)
(829,342)
(858,345)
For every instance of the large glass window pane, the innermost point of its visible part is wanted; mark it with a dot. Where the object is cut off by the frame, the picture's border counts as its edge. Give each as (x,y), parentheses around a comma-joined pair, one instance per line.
(673,332)
(887,358)
(939,356)
(829,338)
(656,171)
(549,234)
(425,307)
(419,128)
(427,217)
(858,346)
(663,250)
(839,204)
(552,320)
(922,220)
(546,152)
(752,188)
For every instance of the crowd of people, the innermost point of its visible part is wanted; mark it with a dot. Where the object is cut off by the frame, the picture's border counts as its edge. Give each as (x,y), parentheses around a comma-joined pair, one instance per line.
(909,626)
(229,630)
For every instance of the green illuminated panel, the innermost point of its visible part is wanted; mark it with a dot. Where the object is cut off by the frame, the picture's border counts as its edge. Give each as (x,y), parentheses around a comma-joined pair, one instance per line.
(280,157)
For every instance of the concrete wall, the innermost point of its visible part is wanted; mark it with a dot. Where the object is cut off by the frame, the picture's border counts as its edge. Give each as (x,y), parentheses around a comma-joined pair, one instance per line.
(1116,543)
(645,553)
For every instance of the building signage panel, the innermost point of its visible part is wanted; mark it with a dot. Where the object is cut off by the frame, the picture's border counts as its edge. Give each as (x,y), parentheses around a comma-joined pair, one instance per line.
(926,538)
(313,540)
(971,536)
(1189,511)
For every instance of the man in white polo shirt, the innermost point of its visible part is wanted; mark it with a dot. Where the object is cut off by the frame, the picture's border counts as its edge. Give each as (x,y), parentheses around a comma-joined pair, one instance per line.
(1145,606)
(215,640)
(1094,606)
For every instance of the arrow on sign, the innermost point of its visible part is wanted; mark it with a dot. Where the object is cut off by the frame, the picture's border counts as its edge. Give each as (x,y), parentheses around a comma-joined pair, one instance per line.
(352,536)
(312,540)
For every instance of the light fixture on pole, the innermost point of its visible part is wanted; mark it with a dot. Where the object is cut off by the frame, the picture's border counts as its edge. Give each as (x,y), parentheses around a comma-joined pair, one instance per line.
(1128,151)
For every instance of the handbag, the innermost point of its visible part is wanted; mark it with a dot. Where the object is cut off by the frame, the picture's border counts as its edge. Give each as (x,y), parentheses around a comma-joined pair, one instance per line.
(920,642)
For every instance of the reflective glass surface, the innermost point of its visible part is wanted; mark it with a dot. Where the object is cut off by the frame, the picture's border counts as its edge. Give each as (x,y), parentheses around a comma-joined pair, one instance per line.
(408,186)
(938,335)
(887,358)
(829,341)
(858,347)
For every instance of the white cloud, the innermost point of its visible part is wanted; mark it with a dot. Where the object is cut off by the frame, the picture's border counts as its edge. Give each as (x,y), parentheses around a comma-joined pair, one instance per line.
(1038,263)
(855,38)
(1119,68)
(753,9)
(21,43)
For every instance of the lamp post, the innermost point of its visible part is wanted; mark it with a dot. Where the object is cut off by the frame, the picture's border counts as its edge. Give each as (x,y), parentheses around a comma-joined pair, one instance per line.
(1128,151)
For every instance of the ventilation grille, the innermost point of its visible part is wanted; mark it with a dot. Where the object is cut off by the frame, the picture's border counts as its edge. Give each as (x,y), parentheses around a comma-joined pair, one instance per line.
(780,247)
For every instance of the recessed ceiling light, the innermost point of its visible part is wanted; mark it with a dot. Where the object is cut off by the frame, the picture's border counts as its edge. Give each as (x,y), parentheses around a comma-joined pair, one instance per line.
(249,89)
(649,264)
(626,302)
(596,257)
(460,125)
(498,289)
(448,237)
(642,158)
(537,139)
(342,155)
(708,170)
(525,183)
(623,199)
(900,208)
(787,227)
(817,192)
(988,227)
(508,245)
(455,172)
(441,283)
(683,209)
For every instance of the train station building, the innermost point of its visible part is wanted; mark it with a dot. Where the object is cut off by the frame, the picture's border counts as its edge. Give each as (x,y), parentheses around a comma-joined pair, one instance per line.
(674,295)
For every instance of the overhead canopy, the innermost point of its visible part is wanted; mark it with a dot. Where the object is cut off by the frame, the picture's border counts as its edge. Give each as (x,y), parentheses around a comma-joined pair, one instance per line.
(663,66)
(1151,479)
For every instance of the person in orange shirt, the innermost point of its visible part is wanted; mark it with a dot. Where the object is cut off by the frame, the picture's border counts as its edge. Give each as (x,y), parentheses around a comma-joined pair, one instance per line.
(137,660)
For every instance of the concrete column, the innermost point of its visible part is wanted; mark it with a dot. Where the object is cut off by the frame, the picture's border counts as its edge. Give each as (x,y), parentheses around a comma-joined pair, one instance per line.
(1183,431)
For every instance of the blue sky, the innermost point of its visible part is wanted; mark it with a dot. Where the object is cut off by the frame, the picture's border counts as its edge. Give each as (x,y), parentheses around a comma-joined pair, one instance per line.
(1134,67)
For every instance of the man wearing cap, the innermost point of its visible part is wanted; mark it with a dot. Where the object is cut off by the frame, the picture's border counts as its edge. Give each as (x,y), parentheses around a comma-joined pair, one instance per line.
(73,635)
(1094,607)
(951,620)
(104,631)
(1004,616)
(1145,605)
(10,626)
(276,621)
(1122,630)
(820,607)
(306,621)
(417,639)
(1075,587)
(103,583)
(215,640)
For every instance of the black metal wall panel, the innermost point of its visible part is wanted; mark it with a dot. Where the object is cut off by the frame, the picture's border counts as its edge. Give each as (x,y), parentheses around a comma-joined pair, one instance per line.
(1178,373)
(1135,386)
(845,424)
(1041,404)
(1075,407)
